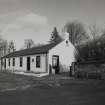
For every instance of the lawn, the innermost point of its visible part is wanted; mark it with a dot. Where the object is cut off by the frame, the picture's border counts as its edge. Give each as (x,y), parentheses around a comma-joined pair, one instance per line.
(50,90)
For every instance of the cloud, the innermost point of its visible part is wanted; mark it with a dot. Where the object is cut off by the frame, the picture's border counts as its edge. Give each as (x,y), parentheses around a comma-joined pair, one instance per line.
(30,25)
(27,22)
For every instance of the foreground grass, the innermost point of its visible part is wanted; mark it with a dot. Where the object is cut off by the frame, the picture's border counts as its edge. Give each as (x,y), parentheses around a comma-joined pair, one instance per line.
(50,90)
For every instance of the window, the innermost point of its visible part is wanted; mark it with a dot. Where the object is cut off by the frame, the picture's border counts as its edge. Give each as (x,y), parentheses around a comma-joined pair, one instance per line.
(67,42)
(5,63)
(38,61)
(33,60)
(9,62)
(21,61)
(55,60)
(13,61)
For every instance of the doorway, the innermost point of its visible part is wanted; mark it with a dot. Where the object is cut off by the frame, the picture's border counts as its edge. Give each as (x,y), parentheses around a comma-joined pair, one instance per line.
(55,63)
(28,63)
(5,63)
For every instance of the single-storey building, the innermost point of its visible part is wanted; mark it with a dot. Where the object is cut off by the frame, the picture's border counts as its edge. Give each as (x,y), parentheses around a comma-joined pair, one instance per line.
(50,58)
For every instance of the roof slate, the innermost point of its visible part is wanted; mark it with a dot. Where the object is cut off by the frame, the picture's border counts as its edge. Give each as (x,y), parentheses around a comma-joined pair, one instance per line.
(31,51)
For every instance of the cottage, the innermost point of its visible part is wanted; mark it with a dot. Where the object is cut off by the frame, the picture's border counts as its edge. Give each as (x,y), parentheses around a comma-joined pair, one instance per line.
(50,58)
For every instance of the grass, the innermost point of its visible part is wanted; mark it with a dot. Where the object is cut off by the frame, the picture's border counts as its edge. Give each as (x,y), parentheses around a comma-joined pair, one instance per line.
(50,90)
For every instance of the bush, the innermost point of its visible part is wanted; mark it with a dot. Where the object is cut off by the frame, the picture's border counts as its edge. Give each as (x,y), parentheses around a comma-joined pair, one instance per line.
(88,75)
(91,50)
(80,74)
(94,75)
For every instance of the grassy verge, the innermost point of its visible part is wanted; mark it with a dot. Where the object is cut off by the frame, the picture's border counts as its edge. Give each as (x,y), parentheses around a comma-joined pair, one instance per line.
(50,90)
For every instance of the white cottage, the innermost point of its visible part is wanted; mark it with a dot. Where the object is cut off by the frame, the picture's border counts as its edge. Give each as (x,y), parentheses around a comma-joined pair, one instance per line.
(49,58)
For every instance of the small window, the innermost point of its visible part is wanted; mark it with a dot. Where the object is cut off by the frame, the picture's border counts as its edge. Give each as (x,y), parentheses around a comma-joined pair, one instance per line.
(9,62)
(21,61)
(13,61)
(67,42)
(5,63)
(38,61)
(33,60)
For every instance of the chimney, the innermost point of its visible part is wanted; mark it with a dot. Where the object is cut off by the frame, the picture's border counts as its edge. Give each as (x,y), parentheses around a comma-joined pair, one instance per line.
(66,36)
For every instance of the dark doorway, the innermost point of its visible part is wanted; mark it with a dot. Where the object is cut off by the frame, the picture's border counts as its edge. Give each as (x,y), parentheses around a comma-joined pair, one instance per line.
(28,63)
(55,63)
(5,63)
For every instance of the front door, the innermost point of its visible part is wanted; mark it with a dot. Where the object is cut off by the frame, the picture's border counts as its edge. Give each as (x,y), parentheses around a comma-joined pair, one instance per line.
(5,63)
(55,63)
(28,63)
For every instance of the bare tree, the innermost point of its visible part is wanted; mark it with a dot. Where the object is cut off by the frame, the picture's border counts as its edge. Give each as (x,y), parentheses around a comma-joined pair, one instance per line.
(29,43)
(3,47)
(77,32)
(11,47)
(95,32)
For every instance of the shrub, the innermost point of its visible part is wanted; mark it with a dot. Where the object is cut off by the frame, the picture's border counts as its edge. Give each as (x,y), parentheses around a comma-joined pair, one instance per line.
(92,50)
(80,74)
(89,71)
(94,75)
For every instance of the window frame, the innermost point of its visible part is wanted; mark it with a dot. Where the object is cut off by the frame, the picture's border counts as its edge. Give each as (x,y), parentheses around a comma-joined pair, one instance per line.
(13,63)
(5,63)
(38,61)
(9,63)
(55,60)
(21,61)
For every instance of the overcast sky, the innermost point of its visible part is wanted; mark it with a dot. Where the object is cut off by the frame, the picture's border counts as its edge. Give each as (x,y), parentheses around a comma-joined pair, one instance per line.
(35,19)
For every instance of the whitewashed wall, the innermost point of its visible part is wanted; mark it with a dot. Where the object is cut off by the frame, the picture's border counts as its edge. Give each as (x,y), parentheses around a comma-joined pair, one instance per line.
(65,53)
(43,67)
(17,64)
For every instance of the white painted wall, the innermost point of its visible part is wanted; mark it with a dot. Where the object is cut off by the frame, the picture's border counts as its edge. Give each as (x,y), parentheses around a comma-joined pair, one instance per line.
(43,63)
(17,64)
(33,68)
(65,53)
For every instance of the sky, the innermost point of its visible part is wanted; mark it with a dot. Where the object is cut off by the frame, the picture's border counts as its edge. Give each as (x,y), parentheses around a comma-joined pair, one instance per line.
(35,19)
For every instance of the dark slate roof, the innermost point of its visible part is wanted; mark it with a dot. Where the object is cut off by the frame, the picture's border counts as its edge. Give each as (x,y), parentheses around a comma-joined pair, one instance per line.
(31,51)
